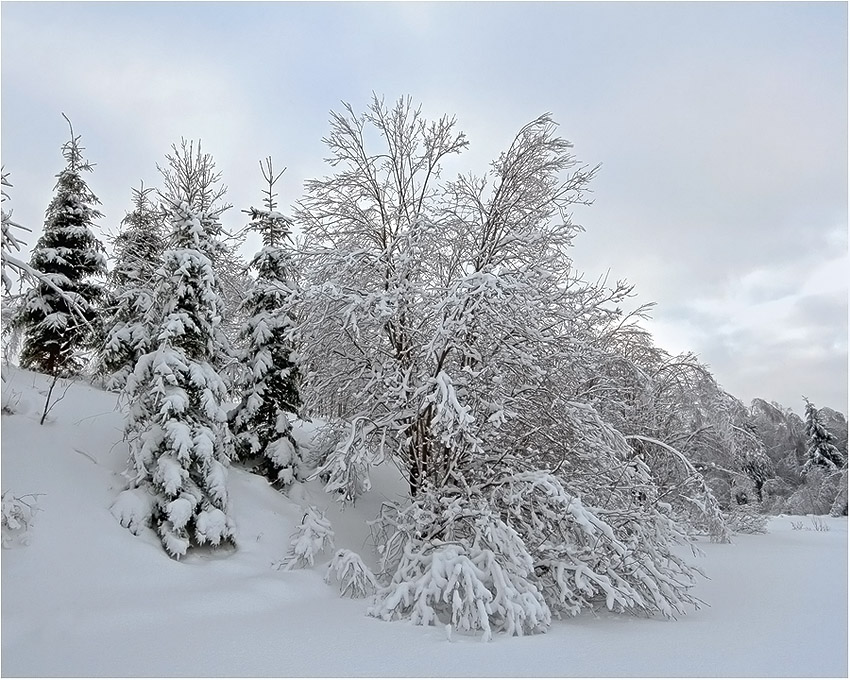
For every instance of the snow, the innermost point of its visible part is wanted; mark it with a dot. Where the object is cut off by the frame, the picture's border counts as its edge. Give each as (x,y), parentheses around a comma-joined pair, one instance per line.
(85,597)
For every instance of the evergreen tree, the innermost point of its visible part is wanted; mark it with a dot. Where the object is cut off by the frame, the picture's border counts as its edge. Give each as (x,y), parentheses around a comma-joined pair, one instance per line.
(822,451)
(59,316)
(269,386)
(179,441)
(190,176)
(138,251)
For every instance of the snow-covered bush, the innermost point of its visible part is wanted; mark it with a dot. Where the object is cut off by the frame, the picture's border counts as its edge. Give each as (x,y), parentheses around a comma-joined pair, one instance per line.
(17,518)
(839,505)
(817,494)
(746,519)
(312,536)
(509,553)
(345,459)
(355,579)
(133,509)
(454,563)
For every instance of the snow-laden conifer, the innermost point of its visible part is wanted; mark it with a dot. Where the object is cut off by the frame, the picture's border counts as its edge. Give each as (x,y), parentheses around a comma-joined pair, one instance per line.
(821,450)
(269,382)
(137,250)
(59,313)
(180,444)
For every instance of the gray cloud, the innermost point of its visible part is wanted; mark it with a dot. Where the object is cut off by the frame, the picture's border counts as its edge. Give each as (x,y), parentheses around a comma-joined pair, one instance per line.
(722,129)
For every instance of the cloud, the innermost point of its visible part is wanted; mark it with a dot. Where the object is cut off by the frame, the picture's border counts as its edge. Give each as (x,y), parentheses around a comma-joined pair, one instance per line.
(721,129)
(772,331)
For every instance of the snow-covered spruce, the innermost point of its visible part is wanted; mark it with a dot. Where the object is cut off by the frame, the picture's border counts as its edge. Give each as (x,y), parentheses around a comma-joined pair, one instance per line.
(312,536)
(138,250)
(59,314)
(177,429)
(269,381)
(821,449)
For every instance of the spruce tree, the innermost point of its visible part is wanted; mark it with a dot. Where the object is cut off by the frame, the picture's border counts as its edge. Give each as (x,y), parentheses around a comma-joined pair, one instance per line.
(821,451)
(269,386)
(180,445)
(59,314)
(138,251)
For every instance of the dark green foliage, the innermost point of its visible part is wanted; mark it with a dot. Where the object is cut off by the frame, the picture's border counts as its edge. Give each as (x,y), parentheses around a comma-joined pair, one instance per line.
(270,383)
(138,252)
(59,315)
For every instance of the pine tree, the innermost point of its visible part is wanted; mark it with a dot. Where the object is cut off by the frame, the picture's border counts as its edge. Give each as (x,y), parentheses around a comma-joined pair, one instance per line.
(822,451)
(179,441)
(59,316)
(138,250)
(269,385)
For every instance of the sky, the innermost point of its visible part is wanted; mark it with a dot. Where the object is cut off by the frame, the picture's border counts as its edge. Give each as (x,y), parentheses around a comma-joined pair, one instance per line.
(721,130)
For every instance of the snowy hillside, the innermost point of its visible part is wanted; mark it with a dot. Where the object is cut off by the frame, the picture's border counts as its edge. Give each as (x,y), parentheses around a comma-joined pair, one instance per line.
(85,597)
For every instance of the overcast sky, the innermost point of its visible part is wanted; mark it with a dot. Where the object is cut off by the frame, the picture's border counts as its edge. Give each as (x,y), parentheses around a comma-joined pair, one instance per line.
(721,129)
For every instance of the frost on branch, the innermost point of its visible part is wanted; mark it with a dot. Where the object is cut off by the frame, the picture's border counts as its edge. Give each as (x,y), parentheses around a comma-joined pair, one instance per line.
(311,537)
(355,579)
(10,242)
(691,498)
(346,461)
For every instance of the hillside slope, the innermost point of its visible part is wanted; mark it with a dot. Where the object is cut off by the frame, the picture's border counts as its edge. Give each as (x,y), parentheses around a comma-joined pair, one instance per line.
(85,597)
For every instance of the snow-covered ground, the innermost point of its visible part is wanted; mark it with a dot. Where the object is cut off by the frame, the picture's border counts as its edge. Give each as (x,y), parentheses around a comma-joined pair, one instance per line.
(87,598)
